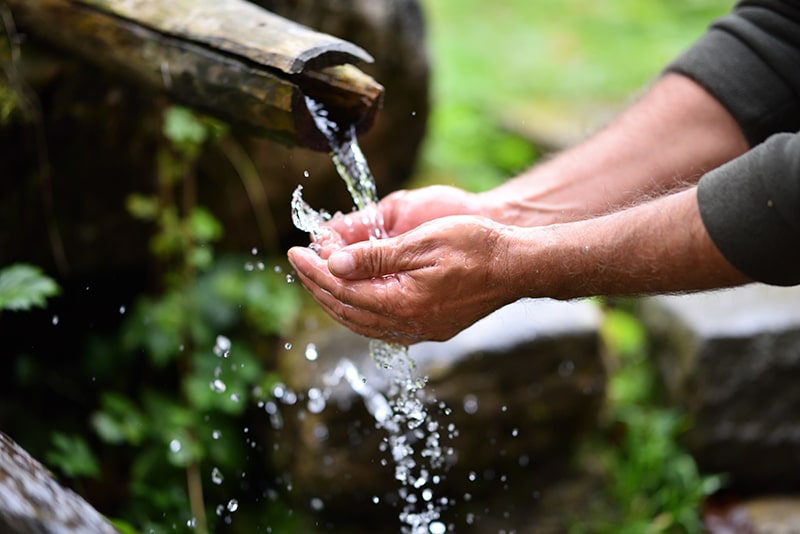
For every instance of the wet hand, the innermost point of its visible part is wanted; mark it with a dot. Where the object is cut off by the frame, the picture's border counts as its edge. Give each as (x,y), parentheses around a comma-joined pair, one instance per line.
(426,284)
(401,211)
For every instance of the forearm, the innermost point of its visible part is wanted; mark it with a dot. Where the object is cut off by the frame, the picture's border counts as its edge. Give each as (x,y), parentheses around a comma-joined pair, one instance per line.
(656,247)
(669,138)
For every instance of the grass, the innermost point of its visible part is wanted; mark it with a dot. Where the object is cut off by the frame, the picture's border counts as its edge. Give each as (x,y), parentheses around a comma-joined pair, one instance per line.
(491,57)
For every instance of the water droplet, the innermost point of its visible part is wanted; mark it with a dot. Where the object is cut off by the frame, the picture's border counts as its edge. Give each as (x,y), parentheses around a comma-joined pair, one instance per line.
(55,320)
(222,347)
(175,445)
(122,310)
(220,510)
(472,476)
(216,476)
(566,368)
(249,267)
(218,385)
(375,499)
(306,174)
(427,494)
(470,404)
(254,251)
(437,527)
(216,434)
(235,397)
(287,346)
(316,400)
(233,505)
(311,352)
(278,269)
(191,522)
(317,505)
(260,265)
(514,433)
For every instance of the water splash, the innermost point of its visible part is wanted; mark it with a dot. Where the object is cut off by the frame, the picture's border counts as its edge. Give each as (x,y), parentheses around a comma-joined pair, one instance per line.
(413,439)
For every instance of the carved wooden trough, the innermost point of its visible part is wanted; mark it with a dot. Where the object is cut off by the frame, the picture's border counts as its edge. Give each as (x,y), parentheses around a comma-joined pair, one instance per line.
(228,58)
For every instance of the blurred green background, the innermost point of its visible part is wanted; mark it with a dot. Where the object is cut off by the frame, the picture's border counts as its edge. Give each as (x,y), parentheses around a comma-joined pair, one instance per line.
(500,65)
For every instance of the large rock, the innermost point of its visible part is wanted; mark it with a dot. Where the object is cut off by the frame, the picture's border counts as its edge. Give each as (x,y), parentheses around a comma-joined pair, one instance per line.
(731,359)
(32,502)
(519,387)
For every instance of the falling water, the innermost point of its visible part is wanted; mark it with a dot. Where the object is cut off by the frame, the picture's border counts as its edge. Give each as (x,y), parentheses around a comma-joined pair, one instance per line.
(401,411)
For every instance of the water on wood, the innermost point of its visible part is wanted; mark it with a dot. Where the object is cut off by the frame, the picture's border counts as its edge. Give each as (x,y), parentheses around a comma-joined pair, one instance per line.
(413,436)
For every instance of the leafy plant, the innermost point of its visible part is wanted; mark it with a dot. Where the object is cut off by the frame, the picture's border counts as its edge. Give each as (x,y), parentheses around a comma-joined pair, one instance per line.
(195,346)
(23,287)
(653,484)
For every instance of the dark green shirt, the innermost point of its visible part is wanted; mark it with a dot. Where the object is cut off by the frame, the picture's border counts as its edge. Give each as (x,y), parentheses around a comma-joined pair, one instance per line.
(750,61)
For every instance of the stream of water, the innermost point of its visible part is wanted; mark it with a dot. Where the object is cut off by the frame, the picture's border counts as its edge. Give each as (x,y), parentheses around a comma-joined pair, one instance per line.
(413,436)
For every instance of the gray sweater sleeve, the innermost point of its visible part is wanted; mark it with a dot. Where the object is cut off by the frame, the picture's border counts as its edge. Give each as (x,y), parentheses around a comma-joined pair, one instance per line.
(750,61)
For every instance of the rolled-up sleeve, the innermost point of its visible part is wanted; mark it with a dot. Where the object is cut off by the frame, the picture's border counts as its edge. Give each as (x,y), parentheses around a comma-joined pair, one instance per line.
(751,209)
(750,62)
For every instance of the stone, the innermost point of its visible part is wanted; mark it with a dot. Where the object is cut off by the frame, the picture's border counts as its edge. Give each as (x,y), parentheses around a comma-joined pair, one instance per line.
(520,386)
(767,514)
(731,360)
(33,502)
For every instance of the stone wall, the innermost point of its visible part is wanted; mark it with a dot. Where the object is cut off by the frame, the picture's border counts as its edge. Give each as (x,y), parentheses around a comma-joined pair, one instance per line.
(731,360)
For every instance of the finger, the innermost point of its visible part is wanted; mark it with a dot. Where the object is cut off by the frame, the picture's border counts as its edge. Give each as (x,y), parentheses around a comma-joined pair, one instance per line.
(313,271)
(360,320)
(376,259)
(356,226)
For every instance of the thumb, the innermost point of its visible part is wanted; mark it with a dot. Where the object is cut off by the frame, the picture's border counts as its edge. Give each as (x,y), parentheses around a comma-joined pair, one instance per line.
(367,259)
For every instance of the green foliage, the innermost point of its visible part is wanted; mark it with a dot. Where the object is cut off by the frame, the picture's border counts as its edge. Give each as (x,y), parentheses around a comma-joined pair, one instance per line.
(529,54)
(652,482)
(23,287)
(71,453)
(199,344)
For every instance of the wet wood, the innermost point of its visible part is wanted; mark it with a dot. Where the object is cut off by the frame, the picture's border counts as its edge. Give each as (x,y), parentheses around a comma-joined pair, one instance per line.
(240,28)
(228,58)
(31,501)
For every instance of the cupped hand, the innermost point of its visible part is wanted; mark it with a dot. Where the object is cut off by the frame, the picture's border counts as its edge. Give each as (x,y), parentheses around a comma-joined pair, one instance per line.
(400,211)
(426,284)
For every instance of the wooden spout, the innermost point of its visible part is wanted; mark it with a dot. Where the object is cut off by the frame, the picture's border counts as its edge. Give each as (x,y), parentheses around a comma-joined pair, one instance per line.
(228,58)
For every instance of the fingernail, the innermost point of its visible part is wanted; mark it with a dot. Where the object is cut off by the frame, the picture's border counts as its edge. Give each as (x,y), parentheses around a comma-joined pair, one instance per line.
(341,263)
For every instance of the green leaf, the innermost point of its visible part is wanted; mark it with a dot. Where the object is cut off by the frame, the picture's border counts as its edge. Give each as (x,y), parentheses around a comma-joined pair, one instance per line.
(23,287)
(182,127)
(72,456)
(205,227)
(120,421)
(143,207)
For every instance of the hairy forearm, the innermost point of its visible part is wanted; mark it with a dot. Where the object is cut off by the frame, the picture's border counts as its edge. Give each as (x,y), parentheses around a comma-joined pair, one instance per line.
(656,247)
(670,137)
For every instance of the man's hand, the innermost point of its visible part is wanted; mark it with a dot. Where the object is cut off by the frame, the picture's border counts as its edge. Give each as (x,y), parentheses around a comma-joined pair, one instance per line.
(426,284)
(402,211)
(437,279)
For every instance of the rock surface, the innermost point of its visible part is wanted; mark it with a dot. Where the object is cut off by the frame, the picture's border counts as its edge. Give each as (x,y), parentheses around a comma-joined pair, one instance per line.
(770,514)
(520,386)
(731,359)
(32,502)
